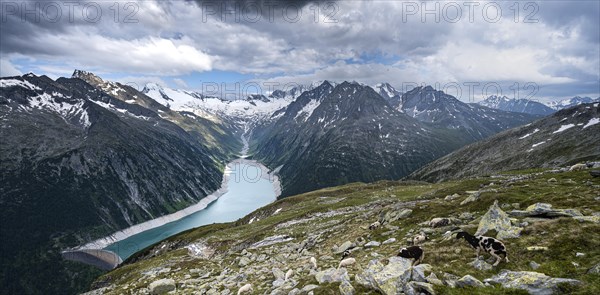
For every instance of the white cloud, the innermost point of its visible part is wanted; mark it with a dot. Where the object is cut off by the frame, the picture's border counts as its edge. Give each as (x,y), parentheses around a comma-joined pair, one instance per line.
(180,83)
(138,82)
(8,69)
(148,55)
(171,39)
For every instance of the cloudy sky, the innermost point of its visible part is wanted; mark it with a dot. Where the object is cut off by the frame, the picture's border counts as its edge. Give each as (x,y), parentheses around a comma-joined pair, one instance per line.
(540,50)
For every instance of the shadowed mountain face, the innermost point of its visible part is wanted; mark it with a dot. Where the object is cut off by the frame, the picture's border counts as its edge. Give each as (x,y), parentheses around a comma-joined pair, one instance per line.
(77,164)
(571,102)
(336,135)
(567,137)
(516,105)
(429,105)
(221,137)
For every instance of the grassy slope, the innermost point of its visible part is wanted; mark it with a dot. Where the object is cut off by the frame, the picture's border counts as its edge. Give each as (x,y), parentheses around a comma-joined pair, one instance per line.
(363,202)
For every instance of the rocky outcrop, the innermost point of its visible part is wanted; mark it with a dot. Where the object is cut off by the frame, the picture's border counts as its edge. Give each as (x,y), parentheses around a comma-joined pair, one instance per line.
(343,247)
(346,288)
(394,215)
(394,277)
(471,198)
(594,269)
(479,264)
(332,275)
(532,282)
(545,210)
(498,220)
(469,281)
(162,286)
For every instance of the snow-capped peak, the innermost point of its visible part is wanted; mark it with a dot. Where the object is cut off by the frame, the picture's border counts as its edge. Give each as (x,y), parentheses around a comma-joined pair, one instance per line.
(386,90)
(570,102)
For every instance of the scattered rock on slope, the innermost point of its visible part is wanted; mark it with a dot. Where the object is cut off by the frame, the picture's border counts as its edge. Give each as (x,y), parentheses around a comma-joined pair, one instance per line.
(332,275)
(162,286)
(532,282)
(393,277)
(545,210)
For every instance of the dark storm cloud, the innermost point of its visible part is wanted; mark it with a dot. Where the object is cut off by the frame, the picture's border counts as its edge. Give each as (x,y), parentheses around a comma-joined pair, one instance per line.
(565,13)
(23,21)
(263,4)
(368,41)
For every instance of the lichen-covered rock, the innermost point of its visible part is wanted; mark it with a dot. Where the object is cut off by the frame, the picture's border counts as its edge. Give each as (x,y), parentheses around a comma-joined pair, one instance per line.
(244,261)
(594,218)
(332,275)
(416,288)
(470,281)
(498,220)
(419,272)
(472,198)
(594,269)
(451,197)
(385,278)
(466,216)
(532,282)
(394,215)
(372,244)
(345,246)
(308,288)
(162,286)
(480,264)
(346,288)
(278,273)
(545,210)
(389,241)
(433,279)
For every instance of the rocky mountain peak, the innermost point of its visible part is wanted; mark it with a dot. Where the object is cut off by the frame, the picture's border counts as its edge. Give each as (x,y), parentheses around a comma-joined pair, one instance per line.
(87,76)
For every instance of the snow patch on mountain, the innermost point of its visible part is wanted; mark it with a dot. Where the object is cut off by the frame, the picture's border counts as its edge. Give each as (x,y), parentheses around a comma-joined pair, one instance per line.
(529,134)
(254,108)
(593,121)
(308,109)
(111,107)
(563,128)
(66,110)
(18,83)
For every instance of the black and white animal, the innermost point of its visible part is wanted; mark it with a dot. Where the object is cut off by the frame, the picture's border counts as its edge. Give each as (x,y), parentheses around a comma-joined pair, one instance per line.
(346,254)
(420,238)
(375,225)
(412,252)
(487,244)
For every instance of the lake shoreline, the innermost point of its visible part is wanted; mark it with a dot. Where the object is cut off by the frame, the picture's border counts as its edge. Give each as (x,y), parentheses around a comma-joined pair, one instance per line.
(201,205)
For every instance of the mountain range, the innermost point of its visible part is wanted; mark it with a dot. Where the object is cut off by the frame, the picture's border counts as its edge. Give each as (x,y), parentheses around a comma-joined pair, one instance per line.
(79,162)
(531,106)
(571,102)
(445,111)
(320,137)
(517,105)
(83,157)
(567,137)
